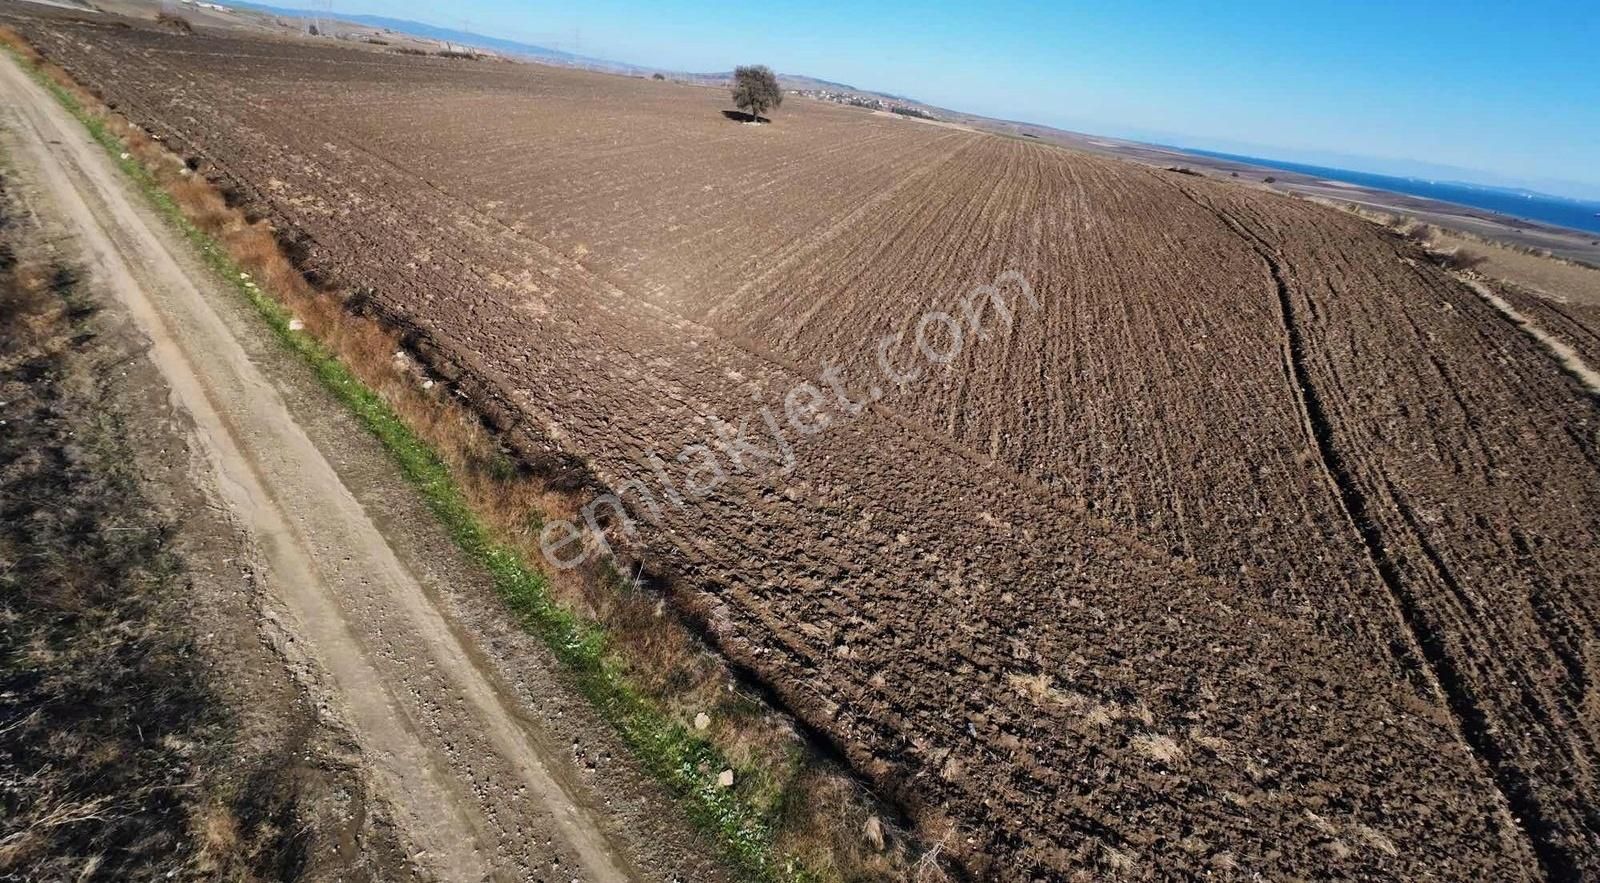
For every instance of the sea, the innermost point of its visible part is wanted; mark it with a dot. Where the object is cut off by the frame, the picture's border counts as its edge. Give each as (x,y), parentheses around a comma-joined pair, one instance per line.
(1574,214)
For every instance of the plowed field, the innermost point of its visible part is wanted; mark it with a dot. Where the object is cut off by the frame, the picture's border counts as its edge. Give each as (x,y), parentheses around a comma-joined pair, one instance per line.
(1253,543)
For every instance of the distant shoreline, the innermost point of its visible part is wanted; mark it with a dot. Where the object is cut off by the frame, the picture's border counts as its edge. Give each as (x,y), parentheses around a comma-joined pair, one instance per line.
(1582,246)
(1573,214)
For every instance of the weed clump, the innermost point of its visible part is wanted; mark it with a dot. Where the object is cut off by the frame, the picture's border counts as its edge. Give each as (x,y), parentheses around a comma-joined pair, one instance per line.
(175,23)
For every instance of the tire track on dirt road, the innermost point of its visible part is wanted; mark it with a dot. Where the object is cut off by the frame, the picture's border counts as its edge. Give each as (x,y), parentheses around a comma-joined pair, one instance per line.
(477,794)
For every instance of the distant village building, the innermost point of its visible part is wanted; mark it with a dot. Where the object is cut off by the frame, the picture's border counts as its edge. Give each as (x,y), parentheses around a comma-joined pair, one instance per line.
(870,102)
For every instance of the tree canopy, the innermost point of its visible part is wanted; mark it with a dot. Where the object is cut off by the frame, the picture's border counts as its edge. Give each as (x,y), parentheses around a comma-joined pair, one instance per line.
(755,89)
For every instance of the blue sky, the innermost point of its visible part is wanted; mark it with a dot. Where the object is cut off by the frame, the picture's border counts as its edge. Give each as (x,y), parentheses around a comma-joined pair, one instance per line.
(1498,93)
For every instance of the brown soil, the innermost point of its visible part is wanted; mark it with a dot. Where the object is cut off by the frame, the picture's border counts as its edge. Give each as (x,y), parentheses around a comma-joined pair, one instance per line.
(1262,546)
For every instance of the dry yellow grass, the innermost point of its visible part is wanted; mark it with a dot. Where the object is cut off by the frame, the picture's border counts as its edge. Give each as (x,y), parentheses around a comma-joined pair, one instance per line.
(1536,269)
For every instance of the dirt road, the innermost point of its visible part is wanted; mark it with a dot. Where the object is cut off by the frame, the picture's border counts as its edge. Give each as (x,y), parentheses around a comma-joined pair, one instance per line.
(1562,352)
(480,789)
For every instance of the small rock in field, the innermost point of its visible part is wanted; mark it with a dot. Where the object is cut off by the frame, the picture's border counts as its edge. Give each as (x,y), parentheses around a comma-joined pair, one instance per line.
(725,779)
(874,832)
(702,720)
(296,324)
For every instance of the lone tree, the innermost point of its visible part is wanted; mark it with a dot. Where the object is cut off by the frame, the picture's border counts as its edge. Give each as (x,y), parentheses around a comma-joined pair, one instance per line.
(755,90)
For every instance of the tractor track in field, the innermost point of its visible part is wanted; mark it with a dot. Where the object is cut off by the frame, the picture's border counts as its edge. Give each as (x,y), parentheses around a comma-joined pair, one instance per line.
(1442,671)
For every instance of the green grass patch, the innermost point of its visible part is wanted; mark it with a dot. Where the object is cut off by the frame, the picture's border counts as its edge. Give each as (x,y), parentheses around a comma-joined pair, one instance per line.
(686,763)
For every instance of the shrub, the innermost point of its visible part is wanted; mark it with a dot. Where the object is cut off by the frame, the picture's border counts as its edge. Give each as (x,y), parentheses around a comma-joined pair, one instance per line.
(1459,259)
(174,22)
